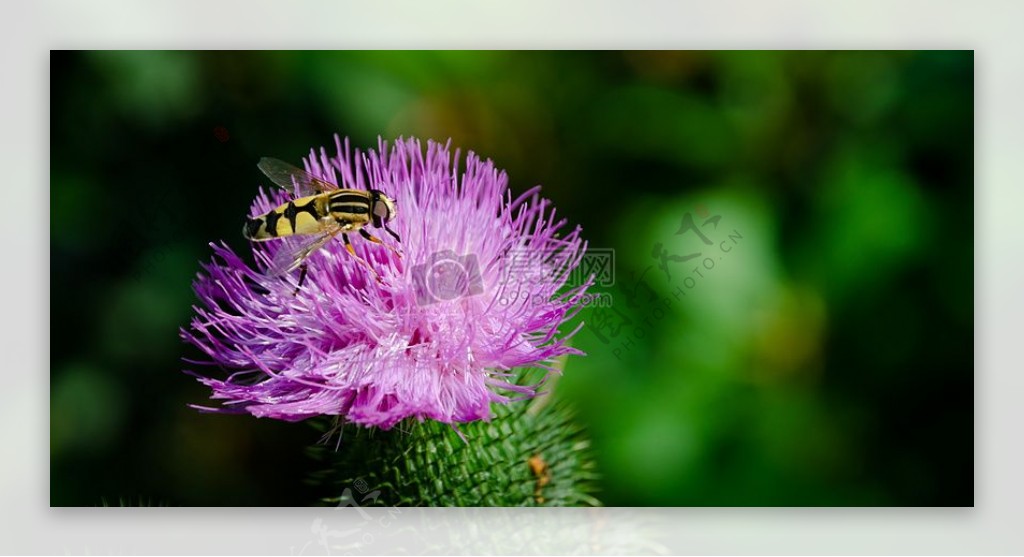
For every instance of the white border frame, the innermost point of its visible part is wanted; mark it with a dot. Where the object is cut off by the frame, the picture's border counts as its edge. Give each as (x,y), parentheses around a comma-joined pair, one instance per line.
(991,28)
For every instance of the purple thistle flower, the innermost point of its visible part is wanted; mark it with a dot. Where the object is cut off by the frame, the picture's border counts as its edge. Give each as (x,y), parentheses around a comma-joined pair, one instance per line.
(474,294)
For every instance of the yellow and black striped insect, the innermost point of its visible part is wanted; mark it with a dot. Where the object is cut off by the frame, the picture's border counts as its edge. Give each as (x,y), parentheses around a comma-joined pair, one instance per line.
(321,212)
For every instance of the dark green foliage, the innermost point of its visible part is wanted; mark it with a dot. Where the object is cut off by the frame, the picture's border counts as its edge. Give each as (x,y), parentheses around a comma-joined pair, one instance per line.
(428,464)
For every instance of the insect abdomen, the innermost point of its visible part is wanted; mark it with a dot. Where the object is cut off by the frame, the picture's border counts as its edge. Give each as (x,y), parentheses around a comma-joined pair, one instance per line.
(299,216)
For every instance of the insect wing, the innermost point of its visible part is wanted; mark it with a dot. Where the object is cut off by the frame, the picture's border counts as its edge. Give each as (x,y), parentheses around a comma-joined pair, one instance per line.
(295,250)
(293,179)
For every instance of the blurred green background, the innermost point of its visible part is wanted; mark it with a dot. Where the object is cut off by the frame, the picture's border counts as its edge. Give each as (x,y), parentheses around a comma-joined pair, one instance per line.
(826,358)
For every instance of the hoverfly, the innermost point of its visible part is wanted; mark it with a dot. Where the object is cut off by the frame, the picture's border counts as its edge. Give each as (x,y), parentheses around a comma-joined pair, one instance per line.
(321,212)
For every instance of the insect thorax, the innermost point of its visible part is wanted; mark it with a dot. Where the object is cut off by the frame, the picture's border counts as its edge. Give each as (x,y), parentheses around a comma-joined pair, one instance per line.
(349,207)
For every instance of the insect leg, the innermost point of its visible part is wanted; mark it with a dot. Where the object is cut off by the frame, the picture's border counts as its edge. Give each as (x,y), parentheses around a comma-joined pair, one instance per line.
(392,232)
(352,251)
(302,278)
(376,240)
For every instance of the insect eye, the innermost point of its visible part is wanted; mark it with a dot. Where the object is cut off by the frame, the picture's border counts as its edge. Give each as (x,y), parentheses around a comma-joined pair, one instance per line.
(380,209)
